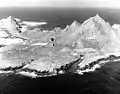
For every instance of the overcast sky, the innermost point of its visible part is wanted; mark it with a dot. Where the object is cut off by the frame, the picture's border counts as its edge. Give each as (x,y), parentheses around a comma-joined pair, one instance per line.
(60,3)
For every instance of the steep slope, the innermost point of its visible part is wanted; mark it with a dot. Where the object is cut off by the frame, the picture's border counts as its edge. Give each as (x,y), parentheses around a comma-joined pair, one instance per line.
(100,36)
(72,27)
(10,29)
(11,25)
(69,35)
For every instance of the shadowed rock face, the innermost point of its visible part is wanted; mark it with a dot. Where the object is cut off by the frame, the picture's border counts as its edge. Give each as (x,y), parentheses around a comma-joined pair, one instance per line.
(54,52)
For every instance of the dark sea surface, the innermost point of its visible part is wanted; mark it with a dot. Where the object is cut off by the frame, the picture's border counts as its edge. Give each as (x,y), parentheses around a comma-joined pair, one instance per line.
(105,80)
(60,17)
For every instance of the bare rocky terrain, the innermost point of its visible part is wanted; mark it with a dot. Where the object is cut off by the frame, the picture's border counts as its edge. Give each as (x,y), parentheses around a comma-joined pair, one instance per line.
(78,48)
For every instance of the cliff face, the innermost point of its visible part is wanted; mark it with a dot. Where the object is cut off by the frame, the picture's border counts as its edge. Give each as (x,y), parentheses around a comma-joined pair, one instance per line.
(49,51)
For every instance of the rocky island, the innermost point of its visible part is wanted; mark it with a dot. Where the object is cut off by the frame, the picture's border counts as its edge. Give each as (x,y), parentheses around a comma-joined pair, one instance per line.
(28,50)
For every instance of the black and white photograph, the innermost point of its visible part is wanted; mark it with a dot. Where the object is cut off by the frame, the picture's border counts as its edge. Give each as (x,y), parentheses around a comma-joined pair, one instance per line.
(59,46)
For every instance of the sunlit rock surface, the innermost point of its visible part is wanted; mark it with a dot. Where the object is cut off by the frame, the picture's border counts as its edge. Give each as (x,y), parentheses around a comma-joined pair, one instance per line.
(78,48)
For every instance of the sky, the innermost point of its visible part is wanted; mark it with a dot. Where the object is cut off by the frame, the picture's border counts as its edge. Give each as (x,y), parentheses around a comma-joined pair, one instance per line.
(60,3)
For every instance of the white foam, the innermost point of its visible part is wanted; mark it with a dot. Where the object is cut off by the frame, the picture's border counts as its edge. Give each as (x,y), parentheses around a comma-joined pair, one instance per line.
(5,72)
(34,23)
(90,69)
(29,74)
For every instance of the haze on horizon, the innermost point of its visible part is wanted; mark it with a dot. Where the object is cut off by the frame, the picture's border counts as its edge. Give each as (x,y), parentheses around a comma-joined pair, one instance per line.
(61,3)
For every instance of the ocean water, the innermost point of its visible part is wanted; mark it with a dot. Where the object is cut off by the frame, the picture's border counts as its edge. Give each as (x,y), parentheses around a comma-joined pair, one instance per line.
(60,17)
(105,80)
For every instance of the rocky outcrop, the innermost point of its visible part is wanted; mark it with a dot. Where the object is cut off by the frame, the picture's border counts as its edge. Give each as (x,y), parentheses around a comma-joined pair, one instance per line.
(98,35)
(11,25)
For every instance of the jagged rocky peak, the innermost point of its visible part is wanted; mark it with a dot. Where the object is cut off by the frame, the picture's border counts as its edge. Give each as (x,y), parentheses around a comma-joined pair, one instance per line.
(11,20)
(96,21)
(96,25)
(14,21)
(72,27)
(75,24)
(96,18)
(95,33)
(10,24)
(14,18)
